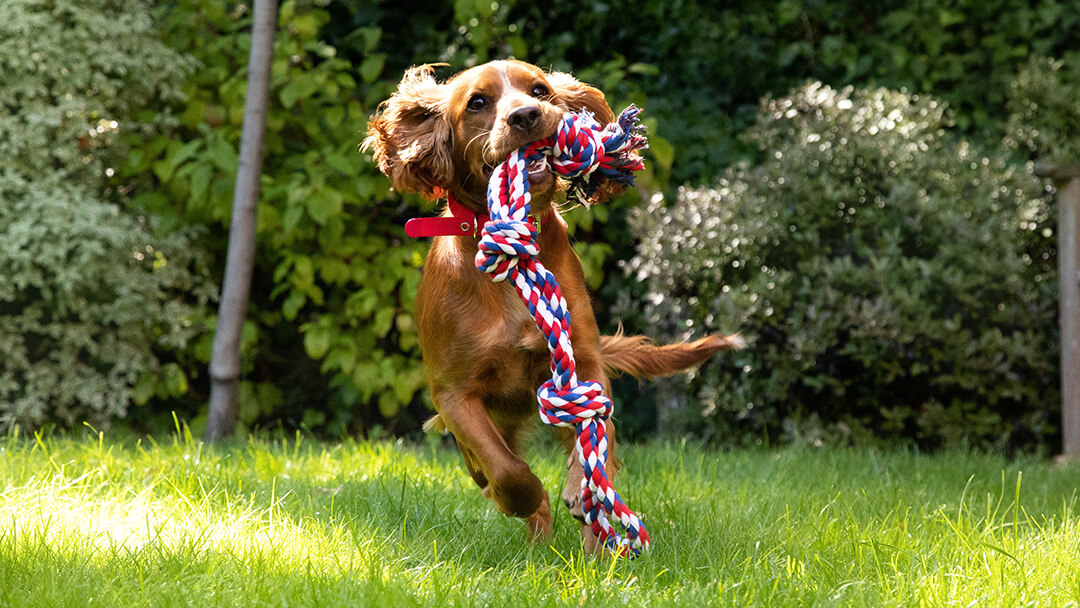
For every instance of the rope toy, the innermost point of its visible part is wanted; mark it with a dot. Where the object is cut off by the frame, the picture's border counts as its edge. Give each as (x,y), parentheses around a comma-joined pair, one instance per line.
(580,150)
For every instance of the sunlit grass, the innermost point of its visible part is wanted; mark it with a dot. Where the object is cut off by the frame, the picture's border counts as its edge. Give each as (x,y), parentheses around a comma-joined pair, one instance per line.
(97,521)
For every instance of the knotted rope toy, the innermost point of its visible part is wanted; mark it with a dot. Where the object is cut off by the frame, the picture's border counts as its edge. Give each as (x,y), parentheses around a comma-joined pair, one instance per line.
(580,150)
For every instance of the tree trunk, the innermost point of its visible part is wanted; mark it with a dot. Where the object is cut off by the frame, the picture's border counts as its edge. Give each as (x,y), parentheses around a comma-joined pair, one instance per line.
(1069,313)
(225,358)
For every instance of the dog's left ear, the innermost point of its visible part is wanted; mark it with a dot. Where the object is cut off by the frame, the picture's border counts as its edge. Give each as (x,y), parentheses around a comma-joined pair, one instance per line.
(574,95)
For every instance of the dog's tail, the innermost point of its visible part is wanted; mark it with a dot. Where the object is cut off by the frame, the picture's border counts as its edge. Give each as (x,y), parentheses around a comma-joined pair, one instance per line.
(640,357)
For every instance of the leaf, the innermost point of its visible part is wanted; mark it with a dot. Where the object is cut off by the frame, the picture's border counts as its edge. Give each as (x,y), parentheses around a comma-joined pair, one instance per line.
(163,169)
(292,218)
(340,163)
(303,271)
(645,69)
(306,26)
(317,341)
(372,66)
(342,357)
(388,406)
(324,203)
(177,156)
(384,319)
(143,390)
(365,377)
(288,9)
(406,383)
(176,382)
(289,94)
(200,181)
(223,155)
(292,305)
(662,151)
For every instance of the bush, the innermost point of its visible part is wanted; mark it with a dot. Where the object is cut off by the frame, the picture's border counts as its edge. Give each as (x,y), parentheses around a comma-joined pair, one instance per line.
(712,61)
(96,312)
(1045,115)
(893,280)
(76,74)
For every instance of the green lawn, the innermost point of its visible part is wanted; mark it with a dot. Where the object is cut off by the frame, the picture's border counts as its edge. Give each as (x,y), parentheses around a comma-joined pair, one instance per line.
(99,522)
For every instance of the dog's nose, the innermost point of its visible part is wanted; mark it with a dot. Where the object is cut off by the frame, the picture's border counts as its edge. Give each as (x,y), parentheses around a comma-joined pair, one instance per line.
(524,118)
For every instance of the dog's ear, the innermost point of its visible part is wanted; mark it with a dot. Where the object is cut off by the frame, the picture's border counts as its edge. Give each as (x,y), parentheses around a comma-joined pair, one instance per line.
(574,95)
(410,135)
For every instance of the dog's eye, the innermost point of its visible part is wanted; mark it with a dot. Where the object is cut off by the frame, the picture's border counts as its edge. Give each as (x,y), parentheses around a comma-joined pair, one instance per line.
(540,91)
(477,103)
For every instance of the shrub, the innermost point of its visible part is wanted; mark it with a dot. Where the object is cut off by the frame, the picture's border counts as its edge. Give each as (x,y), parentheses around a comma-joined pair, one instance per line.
(893,280)
(75,75)
(712,61)
(95,310)
(1045,115)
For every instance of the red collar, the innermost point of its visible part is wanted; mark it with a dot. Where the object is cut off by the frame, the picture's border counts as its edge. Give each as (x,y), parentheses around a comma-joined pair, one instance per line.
(461,220)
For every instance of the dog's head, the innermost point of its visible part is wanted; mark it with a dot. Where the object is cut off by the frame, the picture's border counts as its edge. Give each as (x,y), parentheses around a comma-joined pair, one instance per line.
(433,138)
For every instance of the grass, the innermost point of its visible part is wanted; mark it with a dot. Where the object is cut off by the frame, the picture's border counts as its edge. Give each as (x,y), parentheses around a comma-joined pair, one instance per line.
(94,521)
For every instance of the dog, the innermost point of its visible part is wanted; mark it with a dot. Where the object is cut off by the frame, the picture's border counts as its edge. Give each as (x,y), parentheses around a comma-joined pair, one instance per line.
(485,357)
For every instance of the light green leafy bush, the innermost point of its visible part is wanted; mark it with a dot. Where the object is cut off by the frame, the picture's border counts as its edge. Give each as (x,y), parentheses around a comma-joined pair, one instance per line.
(72,71)
(90,306)
(893,280)
(96,311)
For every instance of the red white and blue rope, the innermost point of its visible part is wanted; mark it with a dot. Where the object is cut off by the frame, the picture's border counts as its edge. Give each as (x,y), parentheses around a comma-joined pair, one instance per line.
(580,150)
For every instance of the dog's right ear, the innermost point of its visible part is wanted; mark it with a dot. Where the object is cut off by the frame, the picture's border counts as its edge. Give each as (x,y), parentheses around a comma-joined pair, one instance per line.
(410,135)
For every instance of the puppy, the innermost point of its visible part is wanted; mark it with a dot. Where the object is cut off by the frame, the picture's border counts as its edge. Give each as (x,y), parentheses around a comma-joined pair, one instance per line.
(484,355)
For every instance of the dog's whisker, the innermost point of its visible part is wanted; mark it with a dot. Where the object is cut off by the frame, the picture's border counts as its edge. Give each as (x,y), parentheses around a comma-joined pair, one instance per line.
(483,133)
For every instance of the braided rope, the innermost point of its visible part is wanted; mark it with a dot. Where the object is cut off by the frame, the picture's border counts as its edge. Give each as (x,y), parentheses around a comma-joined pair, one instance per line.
(579,150)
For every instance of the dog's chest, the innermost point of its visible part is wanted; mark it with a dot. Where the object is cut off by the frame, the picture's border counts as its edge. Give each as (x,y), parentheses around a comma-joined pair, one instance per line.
(517,329)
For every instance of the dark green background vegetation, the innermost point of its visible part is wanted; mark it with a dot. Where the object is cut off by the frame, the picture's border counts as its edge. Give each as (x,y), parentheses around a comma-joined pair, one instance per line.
(330,344)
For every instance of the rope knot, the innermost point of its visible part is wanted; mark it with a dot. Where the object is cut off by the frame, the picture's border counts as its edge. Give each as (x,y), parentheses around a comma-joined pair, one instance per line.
(581,149)
(504,245)
(573,404)
(578,146)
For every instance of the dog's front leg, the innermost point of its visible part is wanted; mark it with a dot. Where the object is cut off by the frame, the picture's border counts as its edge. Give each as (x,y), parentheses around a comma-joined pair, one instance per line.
(503,476)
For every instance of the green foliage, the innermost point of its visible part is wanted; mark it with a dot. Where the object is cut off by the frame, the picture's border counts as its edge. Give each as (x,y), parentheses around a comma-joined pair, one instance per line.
(1044,101)
(892,280)
(96,312)
(71,71)
(712,62)
(331,343)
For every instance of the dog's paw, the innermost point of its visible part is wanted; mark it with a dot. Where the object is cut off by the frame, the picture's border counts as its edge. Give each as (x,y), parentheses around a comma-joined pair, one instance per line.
(592,544)
(571,494)
(571,497)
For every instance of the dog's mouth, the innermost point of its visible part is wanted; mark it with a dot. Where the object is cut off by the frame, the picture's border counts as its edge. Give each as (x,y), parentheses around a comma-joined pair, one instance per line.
(537,169)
